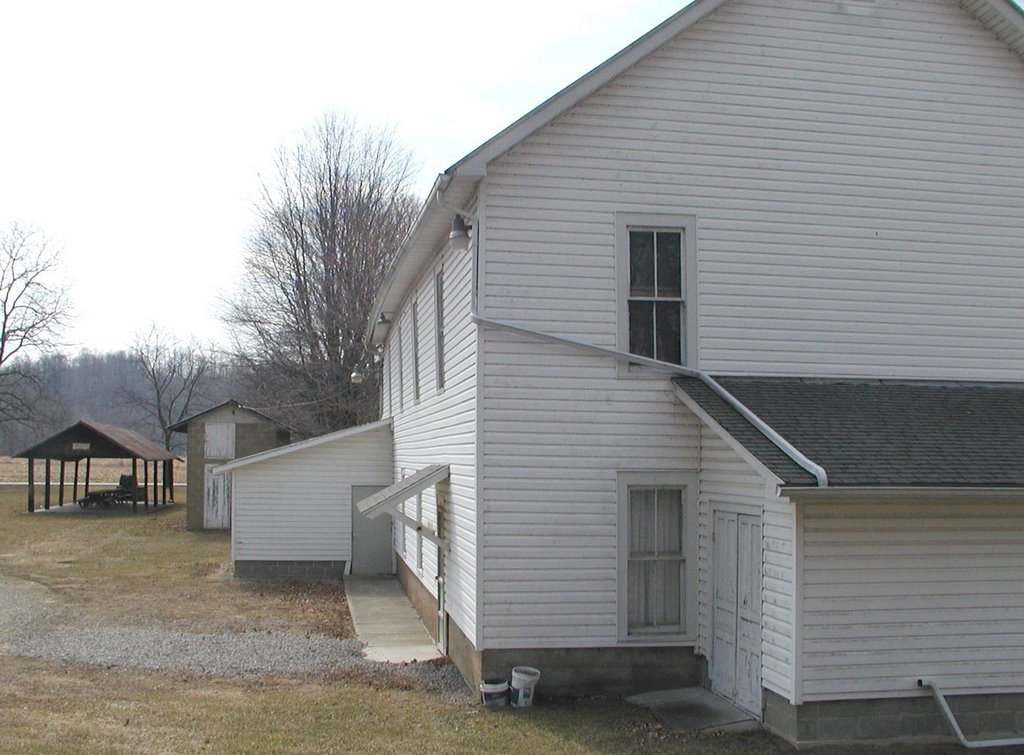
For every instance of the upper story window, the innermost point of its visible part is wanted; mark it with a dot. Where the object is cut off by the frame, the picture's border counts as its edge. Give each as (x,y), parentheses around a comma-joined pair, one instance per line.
(415,353)
(439,324)
(220,440)
(401,369)
(657,282)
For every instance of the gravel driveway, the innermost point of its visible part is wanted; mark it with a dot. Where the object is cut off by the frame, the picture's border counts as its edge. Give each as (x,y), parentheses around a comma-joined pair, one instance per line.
(26,606)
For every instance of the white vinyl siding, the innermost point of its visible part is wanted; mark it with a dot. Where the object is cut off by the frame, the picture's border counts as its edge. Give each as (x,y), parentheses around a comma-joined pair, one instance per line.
(857,183)
(557,426)
(298,506)
(440,428)
(894,592)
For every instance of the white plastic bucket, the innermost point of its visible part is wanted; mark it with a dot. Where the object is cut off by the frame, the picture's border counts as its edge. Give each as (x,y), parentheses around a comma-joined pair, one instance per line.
(494,693)
(524,679)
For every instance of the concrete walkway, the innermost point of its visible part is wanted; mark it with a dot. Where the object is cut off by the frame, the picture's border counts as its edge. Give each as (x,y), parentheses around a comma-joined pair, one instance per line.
(695,709)
(386,621)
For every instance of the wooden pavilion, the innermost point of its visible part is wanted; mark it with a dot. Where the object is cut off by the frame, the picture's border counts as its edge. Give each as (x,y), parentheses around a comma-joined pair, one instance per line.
(85,441)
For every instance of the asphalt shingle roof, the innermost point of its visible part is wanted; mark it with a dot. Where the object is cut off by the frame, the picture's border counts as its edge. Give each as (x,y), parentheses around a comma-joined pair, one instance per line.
(879,433)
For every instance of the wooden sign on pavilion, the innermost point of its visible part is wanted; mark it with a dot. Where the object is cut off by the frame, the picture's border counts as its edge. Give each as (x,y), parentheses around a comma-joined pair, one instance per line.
(85,441)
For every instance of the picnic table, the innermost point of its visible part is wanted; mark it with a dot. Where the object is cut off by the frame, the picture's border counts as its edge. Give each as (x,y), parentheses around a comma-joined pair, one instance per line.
(127,491)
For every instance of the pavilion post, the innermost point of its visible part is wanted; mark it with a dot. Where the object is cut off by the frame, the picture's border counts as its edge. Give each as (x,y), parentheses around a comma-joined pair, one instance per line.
(145,484)
(135,471)
(156,496)
(88,469)
(170,477)
(74,487)
(60,490)
(31,485)
(46,488)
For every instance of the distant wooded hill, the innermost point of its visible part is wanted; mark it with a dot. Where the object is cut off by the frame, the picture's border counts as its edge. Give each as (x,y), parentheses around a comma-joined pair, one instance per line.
(95,387)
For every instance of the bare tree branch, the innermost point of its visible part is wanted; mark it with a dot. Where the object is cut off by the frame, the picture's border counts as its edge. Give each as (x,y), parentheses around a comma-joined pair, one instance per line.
(33,310)
(329,226)
(177,377)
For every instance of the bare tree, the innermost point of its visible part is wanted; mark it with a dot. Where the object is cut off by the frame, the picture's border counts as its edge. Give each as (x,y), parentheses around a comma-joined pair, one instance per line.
(176,376)
(329,225)
(33,309)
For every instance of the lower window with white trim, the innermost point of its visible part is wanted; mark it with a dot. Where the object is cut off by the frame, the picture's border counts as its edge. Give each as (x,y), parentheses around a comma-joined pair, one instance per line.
(657,556)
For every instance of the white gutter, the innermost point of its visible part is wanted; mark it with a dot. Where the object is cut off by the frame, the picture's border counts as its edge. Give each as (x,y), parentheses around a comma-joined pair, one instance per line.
(972,744)
(817,471)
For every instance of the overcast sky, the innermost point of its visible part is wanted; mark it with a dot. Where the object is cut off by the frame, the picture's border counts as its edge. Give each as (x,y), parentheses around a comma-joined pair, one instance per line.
(134,133)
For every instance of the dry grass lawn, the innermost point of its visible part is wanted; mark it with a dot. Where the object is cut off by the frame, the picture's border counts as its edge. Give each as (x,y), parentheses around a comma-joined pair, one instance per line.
(115,567)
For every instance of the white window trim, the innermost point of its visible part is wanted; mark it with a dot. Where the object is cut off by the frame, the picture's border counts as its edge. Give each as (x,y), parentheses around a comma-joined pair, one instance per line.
(688,225)
(687,481)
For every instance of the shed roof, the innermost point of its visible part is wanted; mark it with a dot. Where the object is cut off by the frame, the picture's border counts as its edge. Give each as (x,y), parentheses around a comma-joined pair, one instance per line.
(181,425)
(97,440)
(274,453)
(879,432)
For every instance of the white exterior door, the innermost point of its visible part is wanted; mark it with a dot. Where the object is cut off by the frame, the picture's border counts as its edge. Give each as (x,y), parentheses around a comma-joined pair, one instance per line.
(217,500)
(736,619)
(371,538)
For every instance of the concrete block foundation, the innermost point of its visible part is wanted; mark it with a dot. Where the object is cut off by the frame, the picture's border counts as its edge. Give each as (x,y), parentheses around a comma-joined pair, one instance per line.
(898,719)
(290,571)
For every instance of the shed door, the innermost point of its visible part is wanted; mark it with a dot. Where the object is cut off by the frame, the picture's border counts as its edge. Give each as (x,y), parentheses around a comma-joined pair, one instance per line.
(217,500)
(371,538)
(736,621)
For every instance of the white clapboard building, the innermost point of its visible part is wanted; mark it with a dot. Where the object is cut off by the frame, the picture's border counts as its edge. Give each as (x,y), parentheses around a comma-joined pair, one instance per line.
(709,370)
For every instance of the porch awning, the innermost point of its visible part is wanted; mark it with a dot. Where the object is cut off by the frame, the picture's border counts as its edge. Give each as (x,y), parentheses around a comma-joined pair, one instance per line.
(390,497)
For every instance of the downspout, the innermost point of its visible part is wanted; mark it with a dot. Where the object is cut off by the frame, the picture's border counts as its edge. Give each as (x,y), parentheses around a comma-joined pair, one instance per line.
(948,714)
(816,470)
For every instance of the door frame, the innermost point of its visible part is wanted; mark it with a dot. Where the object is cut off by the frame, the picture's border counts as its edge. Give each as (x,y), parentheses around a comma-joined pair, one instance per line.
(738,511)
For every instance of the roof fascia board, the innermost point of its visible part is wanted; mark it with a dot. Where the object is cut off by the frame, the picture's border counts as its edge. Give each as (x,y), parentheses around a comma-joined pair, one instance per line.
(193,417)
(726,436)
(302,445)
(475,163)
(418,249)
(389,278)
(907,494)
(1009,12)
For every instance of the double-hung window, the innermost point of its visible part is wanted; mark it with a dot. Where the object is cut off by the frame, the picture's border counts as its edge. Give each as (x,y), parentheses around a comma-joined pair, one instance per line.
(415,353)
(656,283)
(657,582)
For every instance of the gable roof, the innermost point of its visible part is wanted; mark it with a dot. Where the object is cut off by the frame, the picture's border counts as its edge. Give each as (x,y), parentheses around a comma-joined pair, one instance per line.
(100,440)
(879,433)
(458,183)
(302,445)
(181,425)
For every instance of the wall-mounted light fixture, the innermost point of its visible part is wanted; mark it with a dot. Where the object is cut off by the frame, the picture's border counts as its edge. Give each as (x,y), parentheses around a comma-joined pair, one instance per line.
(459,236)
(357,377)
(383,319)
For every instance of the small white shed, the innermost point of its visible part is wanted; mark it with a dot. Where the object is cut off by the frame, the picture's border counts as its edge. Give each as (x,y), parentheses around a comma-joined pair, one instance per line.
(292,507)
